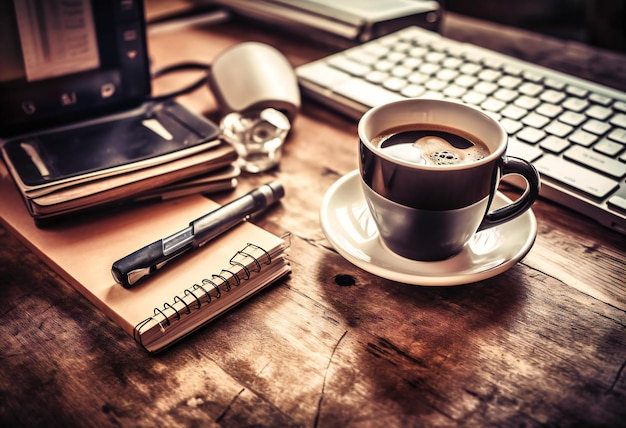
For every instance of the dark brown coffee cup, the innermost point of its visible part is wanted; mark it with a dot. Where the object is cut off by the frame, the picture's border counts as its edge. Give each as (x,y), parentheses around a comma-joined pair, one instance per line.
(427,211)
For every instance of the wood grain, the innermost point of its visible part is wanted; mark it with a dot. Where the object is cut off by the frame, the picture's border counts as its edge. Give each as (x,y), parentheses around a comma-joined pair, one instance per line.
(332,345)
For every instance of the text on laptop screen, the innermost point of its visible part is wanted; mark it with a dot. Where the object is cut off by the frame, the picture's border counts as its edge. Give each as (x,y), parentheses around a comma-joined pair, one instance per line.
(66,60)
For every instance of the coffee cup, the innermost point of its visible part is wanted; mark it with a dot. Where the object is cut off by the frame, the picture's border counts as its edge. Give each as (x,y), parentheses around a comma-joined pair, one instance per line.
(429,171)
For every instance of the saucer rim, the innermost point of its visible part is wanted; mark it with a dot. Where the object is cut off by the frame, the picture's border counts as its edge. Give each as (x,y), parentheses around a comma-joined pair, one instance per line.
(458,277)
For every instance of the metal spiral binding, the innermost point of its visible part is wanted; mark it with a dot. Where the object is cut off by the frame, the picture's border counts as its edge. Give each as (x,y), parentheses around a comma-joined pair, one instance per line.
(224,280)
(199,295)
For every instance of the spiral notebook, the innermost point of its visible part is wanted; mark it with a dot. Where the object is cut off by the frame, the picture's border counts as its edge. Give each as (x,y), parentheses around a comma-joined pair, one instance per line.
(186,295)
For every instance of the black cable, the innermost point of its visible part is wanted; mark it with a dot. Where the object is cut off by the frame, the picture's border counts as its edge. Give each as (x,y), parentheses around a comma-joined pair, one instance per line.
(184,66)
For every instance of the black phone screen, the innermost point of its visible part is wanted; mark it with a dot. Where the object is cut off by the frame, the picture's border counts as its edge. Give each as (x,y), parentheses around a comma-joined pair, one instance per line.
(104,144)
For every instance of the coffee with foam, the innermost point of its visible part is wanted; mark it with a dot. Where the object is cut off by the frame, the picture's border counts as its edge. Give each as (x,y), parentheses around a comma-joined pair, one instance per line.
(434,146)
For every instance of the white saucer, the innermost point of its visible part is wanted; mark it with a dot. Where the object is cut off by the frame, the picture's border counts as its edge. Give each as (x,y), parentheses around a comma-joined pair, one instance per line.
(348,225)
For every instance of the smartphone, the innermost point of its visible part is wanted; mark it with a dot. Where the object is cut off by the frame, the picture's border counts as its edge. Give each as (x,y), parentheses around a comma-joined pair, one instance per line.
(108,142)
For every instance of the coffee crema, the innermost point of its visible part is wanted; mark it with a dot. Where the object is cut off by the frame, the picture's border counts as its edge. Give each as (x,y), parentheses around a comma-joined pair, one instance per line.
(431,145)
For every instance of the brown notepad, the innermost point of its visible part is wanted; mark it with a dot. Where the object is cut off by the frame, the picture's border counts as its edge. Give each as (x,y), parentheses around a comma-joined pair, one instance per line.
(184,296)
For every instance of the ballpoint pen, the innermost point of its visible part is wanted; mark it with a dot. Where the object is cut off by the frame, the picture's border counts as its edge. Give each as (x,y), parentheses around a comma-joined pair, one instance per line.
(146,261)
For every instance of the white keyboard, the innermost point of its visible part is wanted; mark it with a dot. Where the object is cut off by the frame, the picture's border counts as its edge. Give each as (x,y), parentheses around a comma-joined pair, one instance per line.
(572,130)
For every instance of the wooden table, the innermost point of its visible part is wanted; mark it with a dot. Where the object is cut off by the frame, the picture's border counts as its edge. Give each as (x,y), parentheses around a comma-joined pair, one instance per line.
(332,345)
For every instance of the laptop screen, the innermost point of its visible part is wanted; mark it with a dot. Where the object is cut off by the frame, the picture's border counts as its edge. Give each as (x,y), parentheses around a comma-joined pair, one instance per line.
(63,61)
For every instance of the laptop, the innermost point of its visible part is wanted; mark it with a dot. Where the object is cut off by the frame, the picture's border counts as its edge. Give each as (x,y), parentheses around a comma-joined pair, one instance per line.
(338,23)
(75,96)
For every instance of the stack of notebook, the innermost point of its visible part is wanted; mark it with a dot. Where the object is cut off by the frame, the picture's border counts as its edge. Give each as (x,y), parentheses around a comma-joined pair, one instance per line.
(184,296)
(206,167)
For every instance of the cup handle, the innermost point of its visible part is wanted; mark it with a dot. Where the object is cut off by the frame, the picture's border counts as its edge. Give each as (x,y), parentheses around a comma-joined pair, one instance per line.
(513,165)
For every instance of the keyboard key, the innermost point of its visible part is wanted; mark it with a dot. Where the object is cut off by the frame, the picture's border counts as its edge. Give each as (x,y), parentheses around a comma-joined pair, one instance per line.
(618,135)
(530,89)
(513,112)
(509,82)
(394,83)
(559,129)
(495,63)
(452,62)
(532,76)
(620,106)
(349,66)
(572,118)
(440,45)
(549,110)
(493,105)
(401,46)
(608,147)
(527,102)
(436,85)
(401,71)
(554,84)
(583,138)
(511,126)
(376,76)
(486,88)
(362,56)
(470,68)
(435,57)
(506,95)
(429,68)
(418,51)
(523,151)
(446,74)
(596,127)
(323,75)
(466,80)
(600,99)
(384,65)
(576,104)
(619,120)
(411,62)
(454,91)
(433,95)
(597,161)
(554,144)
(377,50)
(417,78)
(531,135)
(489,75)
(496,116)
(474,98)
(513,70)
(366,93)
(474,57)
(576,176)
(576,91)
(412,91)
(535,120)
(598,112)
(396,57)
(552,96)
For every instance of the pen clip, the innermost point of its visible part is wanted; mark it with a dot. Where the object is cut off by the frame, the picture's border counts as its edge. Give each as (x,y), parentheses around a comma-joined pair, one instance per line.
(135,275)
